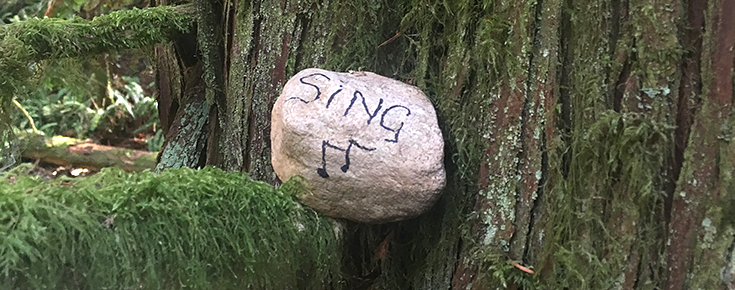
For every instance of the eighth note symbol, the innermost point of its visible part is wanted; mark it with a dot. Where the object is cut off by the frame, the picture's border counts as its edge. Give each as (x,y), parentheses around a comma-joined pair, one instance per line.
(322,171)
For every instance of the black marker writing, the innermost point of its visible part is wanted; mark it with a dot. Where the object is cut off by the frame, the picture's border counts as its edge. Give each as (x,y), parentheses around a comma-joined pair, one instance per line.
(397,131)
(332,96)
(380,105)
(322,171)
(318,92)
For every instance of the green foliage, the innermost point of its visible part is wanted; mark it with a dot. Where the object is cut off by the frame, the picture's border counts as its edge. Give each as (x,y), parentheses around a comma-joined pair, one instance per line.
(55,113)
(21,10)
(24,43)
(28,47)
(67,111)
(17,10)
(183,228)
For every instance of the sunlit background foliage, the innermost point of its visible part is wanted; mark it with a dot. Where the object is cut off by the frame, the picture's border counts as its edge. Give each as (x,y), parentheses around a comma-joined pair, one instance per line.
(107,98)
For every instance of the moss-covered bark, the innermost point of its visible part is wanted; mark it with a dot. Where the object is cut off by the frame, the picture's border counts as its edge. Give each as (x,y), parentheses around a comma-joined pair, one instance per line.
(37,39)
(700,232)
(566,123)
(186,141)
(588,140)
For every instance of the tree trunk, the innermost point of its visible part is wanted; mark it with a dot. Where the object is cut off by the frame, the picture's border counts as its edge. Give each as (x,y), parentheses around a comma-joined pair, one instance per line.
(591,141)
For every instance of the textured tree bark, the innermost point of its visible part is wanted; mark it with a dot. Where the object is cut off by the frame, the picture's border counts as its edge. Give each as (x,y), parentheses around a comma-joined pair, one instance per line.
(701,226)
(588,140)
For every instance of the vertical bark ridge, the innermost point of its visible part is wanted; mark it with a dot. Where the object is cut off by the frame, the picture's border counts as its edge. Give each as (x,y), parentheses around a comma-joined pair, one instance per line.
(545,56)
(697,208)
(540,75)
(690,90)
(565,71)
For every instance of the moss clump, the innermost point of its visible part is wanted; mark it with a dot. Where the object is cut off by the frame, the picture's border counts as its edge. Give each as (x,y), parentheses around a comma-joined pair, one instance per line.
(37,39)
(609,209)
(204,229)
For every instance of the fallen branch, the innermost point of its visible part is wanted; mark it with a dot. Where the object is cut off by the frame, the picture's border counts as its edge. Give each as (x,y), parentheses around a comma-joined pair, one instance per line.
(73,152)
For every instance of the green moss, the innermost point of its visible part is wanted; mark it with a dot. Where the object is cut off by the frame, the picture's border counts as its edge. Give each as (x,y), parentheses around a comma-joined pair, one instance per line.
(609,204)
(36,39)
(203,229)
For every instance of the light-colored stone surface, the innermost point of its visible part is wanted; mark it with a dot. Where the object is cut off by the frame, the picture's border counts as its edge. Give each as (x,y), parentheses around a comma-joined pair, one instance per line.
(369,146)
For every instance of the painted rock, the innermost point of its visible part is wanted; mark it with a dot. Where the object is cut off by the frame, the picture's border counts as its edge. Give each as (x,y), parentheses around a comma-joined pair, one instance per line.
(369,146)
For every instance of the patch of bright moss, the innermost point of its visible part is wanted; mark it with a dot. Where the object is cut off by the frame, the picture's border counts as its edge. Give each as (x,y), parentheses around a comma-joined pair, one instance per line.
(183,228)
(610,204)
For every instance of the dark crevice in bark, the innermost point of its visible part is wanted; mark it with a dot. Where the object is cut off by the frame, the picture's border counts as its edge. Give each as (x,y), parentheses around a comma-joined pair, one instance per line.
(186,49)
(229,31)
(619,11)
(690,90)
(210,37)
(204,143)
(366,249)
(303,21)
(538,203)
(215,133)
(700,185)
(727,271)
(252,62)
(165,70)
(566,53)
(620,84)
(639,269)
(524,210)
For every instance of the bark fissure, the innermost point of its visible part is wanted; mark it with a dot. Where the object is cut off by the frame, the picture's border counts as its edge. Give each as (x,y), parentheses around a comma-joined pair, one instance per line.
(252,60)
(527,190)
(620,84)
(690,90)
(566,53)
(300,32)
(537,205)
(728,272)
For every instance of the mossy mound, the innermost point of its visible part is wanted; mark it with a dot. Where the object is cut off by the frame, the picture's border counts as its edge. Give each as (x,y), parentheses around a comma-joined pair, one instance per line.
(183,228)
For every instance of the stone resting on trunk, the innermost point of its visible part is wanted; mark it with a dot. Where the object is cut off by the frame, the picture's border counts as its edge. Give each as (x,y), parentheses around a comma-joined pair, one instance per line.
(369,146)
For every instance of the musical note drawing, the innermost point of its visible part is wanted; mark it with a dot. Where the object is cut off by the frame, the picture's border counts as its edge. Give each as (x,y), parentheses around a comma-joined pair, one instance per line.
(322,171)
(397,131)
(318,92)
